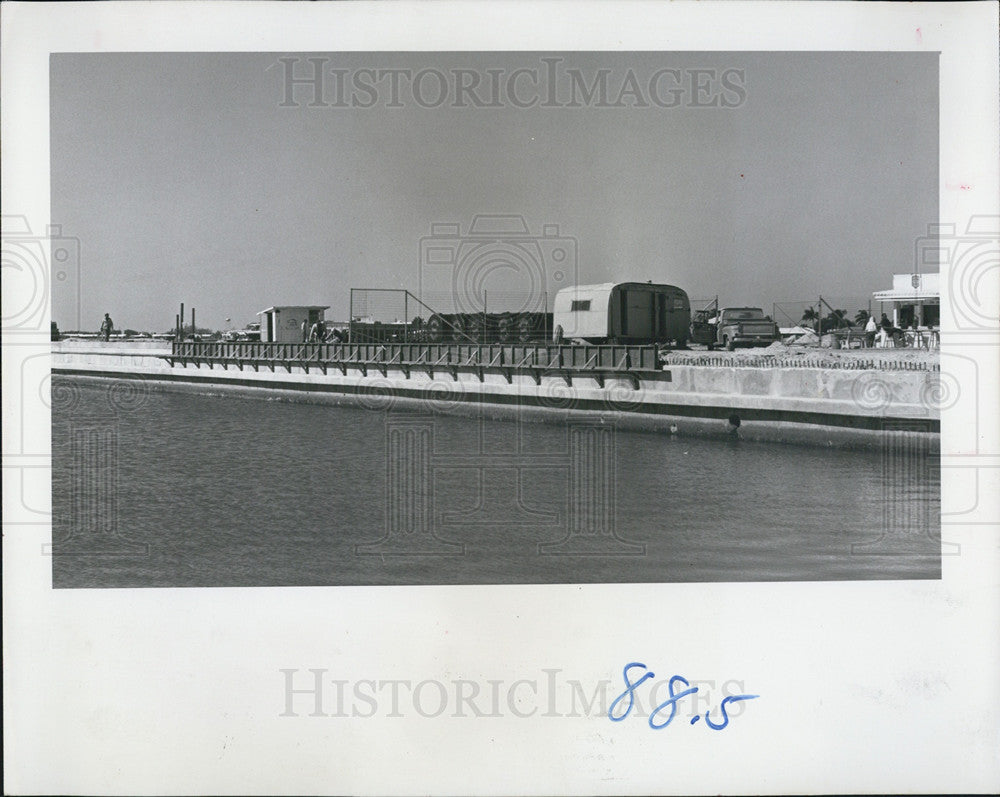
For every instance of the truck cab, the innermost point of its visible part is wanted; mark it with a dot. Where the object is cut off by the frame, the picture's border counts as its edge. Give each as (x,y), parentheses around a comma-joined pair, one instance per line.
(745,326)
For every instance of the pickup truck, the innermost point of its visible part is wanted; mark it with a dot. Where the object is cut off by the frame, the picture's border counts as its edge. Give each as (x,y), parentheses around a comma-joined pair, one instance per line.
(744,326)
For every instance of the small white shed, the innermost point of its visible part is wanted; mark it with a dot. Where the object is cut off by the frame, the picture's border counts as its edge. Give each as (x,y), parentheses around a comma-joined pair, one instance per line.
(284,324)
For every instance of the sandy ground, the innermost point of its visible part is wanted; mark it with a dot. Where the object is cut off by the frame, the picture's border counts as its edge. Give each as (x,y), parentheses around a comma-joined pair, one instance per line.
(778,354)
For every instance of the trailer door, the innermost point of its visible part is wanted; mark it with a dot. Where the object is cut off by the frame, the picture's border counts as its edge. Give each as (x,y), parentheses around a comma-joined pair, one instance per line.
(638,320)
(661,316)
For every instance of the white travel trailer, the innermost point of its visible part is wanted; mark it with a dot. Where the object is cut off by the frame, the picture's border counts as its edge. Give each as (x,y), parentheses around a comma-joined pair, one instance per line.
(622,312)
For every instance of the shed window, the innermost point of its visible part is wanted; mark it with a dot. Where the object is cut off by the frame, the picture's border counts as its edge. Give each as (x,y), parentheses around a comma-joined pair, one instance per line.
(580,304)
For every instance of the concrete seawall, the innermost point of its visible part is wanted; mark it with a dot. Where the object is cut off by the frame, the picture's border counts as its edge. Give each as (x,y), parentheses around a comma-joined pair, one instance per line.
(824,406)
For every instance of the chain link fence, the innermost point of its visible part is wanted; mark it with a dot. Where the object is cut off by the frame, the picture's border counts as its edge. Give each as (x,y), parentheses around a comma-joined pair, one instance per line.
(380,315)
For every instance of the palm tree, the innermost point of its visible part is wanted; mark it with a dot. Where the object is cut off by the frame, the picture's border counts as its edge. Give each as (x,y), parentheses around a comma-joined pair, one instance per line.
(840,319)
(810,316)
(861,317)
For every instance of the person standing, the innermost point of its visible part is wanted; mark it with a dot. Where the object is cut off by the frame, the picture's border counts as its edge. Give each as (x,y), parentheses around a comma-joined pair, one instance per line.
(933,337)
(870,329)
(888,331)
(305,330)
(107,327)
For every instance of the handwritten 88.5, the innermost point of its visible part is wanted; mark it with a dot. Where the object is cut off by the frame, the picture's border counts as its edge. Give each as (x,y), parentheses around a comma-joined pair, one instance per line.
(664,713)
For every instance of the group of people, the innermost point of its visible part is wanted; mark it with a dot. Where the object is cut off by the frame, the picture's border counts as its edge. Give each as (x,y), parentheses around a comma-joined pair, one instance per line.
(318,333)
(885,331)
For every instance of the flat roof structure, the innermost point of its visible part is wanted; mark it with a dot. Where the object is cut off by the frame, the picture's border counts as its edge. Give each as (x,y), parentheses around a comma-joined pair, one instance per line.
(915,298)
(911,288)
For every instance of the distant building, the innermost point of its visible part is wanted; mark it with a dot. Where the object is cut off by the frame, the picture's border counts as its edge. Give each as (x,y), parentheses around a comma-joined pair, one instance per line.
(284,324)
(913,297)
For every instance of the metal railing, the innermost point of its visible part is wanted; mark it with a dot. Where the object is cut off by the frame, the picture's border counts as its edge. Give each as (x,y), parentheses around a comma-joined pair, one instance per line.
(529,356)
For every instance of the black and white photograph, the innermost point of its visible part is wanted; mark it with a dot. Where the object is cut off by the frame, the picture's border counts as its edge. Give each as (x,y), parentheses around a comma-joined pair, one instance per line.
(485,382)
(692,345)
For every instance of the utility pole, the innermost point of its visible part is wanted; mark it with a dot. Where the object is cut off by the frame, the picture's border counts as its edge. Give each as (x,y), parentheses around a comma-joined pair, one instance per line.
(545,316)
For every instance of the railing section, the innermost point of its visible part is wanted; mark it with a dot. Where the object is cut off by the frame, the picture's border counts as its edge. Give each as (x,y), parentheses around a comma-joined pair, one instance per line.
(529,356)
(632,358)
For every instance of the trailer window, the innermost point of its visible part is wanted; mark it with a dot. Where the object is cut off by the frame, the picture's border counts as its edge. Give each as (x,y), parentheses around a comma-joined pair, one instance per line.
(580,304)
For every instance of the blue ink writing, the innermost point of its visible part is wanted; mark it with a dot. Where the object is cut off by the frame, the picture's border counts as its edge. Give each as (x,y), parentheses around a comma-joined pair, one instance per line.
(629,691)
(725,716)
(670,704)
(671,701)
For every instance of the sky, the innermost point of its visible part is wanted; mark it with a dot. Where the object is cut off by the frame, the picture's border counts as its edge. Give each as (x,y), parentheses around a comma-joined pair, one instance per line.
(210,179)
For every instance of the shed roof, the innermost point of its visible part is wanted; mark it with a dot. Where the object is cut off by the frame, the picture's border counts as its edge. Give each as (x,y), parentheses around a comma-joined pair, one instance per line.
(280,307)
(912,288)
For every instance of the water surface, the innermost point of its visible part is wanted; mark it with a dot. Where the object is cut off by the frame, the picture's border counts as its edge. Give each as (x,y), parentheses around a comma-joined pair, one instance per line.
(172,488)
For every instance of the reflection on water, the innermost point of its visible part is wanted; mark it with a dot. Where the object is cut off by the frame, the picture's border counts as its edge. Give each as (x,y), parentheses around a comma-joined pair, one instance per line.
(157,488)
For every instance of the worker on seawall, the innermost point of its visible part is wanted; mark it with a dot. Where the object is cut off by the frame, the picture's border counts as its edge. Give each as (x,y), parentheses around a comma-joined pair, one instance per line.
(107,327)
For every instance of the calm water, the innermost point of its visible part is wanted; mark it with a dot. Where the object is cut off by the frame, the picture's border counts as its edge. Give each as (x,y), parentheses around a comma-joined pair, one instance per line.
(158,488)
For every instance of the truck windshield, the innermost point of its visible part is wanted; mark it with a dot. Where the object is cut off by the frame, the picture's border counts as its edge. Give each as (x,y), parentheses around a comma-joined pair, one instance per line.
(744,314)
